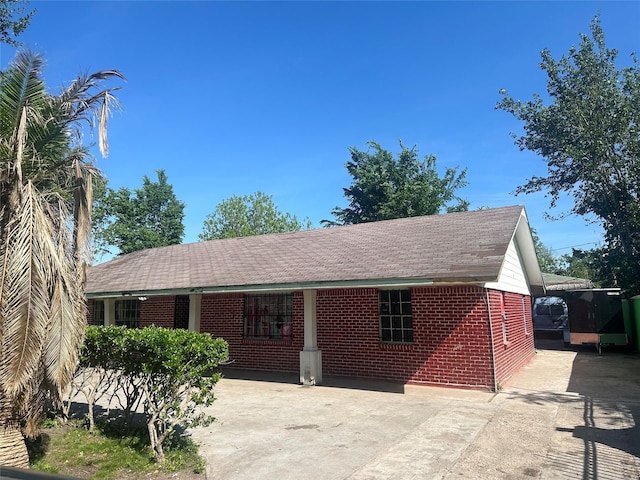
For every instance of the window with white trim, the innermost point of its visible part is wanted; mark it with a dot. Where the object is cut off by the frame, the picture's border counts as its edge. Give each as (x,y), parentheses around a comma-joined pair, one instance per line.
(128,313)
(268,317)
(396,324)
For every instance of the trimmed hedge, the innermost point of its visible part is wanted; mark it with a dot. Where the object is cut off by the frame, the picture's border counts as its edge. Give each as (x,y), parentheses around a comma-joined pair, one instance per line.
(164,373)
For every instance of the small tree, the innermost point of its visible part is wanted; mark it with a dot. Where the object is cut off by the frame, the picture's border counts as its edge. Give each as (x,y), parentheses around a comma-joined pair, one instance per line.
(384,188)
(149,217)
(170,373)
(254,214)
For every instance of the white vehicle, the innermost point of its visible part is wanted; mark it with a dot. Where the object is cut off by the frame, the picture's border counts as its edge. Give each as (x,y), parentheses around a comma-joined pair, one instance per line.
(550,313)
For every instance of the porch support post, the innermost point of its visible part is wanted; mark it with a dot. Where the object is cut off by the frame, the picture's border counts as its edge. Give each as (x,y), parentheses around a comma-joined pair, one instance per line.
(194,312)
(109,312)
(310,357)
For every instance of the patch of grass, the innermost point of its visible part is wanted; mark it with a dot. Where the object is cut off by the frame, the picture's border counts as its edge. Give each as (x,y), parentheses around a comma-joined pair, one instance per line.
(101,455)
(181,452)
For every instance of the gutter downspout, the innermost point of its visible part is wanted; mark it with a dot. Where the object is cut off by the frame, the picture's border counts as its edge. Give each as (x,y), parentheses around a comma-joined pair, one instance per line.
(493,353)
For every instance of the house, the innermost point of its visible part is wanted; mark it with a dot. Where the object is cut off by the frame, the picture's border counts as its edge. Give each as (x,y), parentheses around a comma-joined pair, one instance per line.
(434,300)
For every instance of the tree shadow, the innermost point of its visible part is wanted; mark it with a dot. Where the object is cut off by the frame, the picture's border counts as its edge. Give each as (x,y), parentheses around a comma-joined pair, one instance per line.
(38,447)
(113,423)
(334,381)
(606,389)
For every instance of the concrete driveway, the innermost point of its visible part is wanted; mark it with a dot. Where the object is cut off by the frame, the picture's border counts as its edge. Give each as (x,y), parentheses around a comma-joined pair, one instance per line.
(567,414)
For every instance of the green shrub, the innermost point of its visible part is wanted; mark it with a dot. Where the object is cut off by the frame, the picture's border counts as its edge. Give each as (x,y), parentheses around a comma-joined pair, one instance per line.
(167,372)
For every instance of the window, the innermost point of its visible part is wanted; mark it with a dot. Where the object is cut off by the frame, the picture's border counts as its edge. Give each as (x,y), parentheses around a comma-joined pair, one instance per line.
(98,312)
(128,313)
(503,316)
(395,316)
(268,316)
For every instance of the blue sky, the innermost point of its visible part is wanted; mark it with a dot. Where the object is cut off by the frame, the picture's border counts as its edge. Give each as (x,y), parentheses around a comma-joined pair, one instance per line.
(234,97)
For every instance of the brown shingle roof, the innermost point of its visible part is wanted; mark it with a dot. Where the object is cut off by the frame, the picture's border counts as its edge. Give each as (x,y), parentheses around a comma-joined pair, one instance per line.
(463,246)
(561,283)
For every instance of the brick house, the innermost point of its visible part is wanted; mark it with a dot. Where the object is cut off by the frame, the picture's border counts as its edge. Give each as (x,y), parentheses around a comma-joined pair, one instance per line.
(435,300)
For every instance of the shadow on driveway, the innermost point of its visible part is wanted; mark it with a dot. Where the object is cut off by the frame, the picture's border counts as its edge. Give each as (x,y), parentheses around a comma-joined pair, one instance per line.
(335,382)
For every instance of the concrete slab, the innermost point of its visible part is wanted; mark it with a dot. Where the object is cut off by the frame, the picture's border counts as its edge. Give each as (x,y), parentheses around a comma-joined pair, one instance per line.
(568,414)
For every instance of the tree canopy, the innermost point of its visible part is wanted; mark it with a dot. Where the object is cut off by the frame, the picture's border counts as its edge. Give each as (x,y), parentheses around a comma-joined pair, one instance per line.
(150,216)
(13,20)
(589,137)
(99,217)
(254,214)
(384,187)
(548,262)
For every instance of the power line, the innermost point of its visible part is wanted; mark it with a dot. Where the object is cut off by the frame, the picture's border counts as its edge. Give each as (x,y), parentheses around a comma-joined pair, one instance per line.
(573,246)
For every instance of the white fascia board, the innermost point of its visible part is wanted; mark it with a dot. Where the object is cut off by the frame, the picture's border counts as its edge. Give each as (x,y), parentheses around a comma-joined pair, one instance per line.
(288,287)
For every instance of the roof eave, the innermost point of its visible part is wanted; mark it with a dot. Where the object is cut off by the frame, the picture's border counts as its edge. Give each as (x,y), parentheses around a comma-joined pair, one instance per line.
(321,285)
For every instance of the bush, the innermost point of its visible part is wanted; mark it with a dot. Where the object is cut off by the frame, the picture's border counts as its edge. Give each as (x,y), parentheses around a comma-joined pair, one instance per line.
(169,373)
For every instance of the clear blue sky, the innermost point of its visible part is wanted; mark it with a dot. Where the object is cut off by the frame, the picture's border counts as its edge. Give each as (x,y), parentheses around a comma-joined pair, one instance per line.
(234,97)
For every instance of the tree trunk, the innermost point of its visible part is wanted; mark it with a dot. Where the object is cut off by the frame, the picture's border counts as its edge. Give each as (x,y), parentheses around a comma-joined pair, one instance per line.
(156,444)
(13,450)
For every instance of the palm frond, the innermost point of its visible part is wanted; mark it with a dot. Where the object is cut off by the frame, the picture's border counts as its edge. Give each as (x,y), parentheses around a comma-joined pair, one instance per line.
(83,197)
(25,291)
(19,141)
(3,271)
(67,314)
(83,106)
(21,85)
(28,405)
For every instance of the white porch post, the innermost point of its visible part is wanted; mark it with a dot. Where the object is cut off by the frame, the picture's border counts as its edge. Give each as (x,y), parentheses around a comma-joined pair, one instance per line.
(109,312)
(194,312)
(310,357)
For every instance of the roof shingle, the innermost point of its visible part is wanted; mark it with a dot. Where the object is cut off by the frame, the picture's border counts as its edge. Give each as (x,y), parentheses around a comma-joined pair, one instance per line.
(450,247)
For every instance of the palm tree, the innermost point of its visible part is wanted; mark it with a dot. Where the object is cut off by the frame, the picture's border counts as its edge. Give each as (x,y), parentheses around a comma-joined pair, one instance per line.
(45,199)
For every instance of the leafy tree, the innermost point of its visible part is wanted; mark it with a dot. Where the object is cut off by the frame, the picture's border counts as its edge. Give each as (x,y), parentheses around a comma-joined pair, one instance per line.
(99,217)
(547,261)
(383,187)
(12,21)
(170,372)
(604,266)
(45,192)
(254,214)
(149,217)
(590,139)
(585,264)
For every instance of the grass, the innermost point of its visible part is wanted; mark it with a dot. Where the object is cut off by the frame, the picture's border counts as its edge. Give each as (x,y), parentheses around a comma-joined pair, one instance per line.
(104,455)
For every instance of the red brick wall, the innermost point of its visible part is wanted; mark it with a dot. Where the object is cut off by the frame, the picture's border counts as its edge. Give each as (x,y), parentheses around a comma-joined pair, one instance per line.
(451,338)
(519,347)
(90,311)
(222,315)
(158,311)
(451,335)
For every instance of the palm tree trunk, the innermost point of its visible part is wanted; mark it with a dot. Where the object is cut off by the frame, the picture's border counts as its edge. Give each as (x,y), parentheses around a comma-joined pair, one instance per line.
(13,450)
